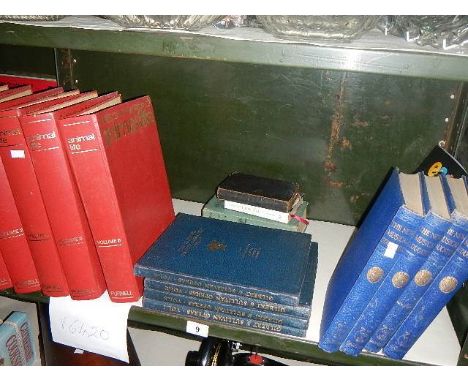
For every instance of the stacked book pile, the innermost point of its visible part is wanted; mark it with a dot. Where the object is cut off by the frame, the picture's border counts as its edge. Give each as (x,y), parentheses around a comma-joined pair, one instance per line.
(402,266)
(232,274)
(256,200)
(83,192)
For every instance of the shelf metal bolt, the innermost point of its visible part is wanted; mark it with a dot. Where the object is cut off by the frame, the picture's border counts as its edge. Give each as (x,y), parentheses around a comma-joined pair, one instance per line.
(76,81)
(452,96)
(442,144)
(74,61)
(446,119)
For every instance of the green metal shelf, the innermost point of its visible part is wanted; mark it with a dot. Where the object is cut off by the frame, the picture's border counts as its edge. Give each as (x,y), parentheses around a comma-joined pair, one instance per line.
(374,53)
(277,344)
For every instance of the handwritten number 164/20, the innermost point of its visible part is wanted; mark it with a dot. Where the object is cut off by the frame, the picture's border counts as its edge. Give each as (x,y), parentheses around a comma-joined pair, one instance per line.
(80,328)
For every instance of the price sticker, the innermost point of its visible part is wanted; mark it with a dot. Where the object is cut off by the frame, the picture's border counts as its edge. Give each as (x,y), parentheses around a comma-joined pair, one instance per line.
(17,154)
(197,329)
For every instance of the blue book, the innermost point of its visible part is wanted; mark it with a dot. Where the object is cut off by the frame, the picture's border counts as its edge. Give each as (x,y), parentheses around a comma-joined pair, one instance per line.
(233,310)
(391,222)
(435,224)
(445,285)
(249,261)
(207,316)
(457,200)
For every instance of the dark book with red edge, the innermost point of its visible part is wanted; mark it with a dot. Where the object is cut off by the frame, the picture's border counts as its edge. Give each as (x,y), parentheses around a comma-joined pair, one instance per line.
(14,93)
(5,280)
(118,163)
(23,182)
(61,199)
(13,244)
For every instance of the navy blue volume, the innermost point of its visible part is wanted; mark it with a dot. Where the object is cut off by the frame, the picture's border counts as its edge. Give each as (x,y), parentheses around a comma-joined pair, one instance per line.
(445,285)
(217,307)
(413,256)
(423,279)
(219,318)
(368,257)
(251,261)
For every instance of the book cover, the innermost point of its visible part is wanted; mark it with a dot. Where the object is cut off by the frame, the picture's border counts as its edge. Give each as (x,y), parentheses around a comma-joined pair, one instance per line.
(442,289)
(302,310)
(273,194)
(60,195)
(5,280)
(13,244)
(117,161)
(11,352)
(219,318)
(14,93)
(440,161)
(233,310)
(391,222)
(457,201)
(214,208)
(19,322)
(23,182)
(230,257)
(435,224)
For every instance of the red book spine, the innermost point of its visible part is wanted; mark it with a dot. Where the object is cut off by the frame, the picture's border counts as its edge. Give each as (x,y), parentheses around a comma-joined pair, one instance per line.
(5,281)
(13,243)
(23,182)
(64,207)
(126,213)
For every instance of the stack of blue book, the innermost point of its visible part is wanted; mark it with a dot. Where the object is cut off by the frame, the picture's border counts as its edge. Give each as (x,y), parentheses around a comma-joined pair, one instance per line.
(232,274)
(402,266)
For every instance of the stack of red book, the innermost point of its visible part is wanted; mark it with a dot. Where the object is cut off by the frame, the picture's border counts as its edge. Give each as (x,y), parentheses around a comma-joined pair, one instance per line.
(83,192)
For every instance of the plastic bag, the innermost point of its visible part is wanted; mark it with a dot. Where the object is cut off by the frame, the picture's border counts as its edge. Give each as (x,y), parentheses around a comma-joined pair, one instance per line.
(185,22)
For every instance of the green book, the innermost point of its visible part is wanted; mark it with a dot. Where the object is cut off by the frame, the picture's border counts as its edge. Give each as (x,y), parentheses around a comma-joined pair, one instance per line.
(215,209)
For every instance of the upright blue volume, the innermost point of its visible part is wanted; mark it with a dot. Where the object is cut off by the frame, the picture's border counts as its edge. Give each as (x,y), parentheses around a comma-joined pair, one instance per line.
(391,222)
(251,261)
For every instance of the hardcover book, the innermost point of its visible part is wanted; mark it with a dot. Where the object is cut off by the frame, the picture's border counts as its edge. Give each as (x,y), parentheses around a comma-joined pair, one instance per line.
(220,318)
(14,93)
(302,310)
(23,182)
(391,222)
(118,164)
(442,289)
(457,200)
(13,244)
(435,224)
(19,323)
(233,310)
(215,209)
(11,352)
(273,194)
(60,195)
(230,257)
(5,281)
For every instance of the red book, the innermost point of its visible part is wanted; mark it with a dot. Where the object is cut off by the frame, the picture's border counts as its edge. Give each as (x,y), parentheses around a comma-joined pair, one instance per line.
(119,168)
(14,93)
(61,198)
(35,98)
(13,243)
(23,182)
(5,281)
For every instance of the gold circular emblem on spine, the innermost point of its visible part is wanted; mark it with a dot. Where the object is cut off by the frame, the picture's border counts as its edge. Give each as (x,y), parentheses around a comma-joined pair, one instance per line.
(400,279)
(448,284)
(423,277)
(375,274)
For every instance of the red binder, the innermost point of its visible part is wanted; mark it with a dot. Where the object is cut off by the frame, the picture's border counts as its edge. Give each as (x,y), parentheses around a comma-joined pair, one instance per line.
(118,164)
(28,198)
(61,199)
(13,243)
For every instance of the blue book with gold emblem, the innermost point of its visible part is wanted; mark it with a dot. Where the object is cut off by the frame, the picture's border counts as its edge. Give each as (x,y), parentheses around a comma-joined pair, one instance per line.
(240,259)
(457,199)
(449,280)
(435,225)
(391,223)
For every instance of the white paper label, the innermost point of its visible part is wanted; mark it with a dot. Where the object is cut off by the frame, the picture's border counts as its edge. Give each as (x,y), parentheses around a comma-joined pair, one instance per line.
(197,329)
(391,250)
(17,154)
(98,326)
